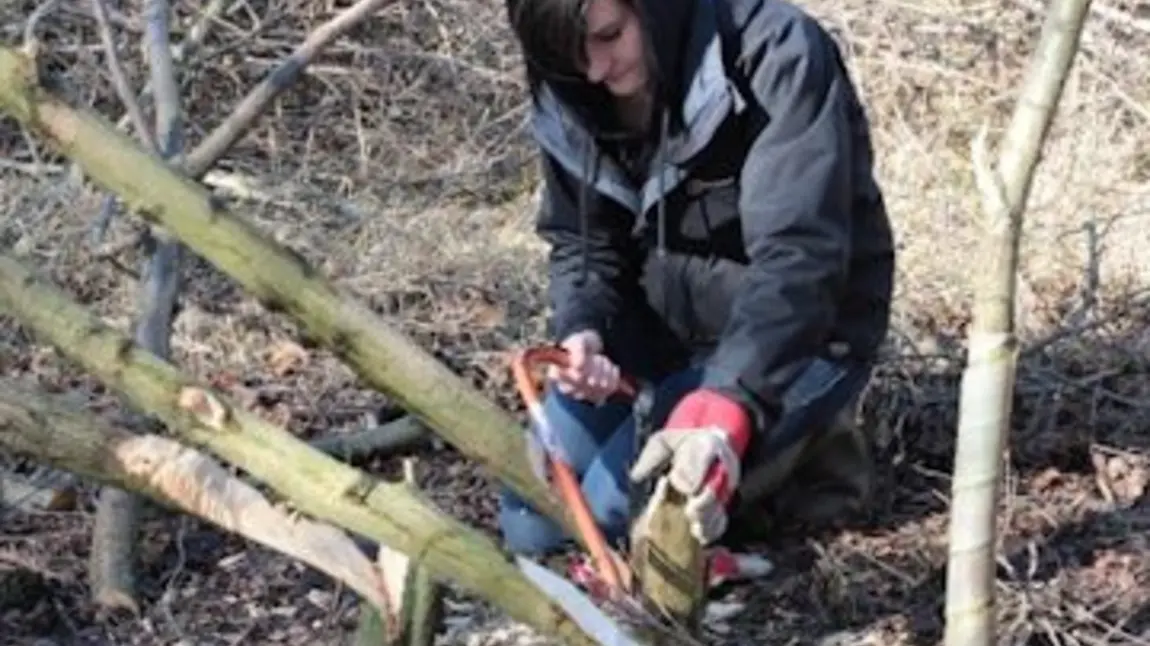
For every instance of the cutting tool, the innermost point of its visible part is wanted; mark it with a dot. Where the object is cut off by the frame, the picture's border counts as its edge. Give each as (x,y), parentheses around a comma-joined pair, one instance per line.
(614,584)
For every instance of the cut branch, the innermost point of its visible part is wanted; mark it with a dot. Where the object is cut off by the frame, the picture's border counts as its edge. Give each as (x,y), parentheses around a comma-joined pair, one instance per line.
(394,435)
(282,281)
(52,431)
(322,486)
(988,381)
(668,562)
(416,598)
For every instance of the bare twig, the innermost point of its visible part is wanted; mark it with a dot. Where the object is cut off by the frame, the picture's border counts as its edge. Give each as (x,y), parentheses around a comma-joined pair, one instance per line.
(216,145)
(31,40)
(119,79)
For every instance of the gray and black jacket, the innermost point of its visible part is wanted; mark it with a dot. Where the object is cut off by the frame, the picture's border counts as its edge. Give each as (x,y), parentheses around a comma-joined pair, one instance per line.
(757,232)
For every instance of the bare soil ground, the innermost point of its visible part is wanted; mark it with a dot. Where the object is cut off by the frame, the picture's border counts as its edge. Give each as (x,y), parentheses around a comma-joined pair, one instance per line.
(401,167)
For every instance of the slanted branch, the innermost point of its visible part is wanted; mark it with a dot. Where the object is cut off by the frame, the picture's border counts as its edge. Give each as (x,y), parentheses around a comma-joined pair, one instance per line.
(988,380)
(316,484)
(117,516)
(283,281)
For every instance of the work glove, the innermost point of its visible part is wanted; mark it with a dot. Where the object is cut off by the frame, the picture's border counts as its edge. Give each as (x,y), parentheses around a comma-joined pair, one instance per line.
(589,375)
(704,440)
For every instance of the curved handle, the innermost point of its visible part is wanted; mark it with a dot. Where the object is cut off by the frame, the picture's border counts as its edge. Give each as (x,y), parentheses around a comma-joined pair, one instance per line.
(525,360)
(565,480)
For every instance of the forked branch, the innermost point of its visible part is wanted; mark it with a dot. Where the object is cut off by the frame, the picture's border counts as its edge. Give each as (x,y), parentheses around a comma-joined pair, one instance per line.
(119,78)
(988,381)
(117,516)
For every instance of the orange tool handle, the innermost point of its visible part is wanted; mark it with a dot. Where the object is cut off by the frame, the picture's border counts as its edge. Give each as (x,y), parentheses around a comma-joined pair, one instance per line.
(565,479)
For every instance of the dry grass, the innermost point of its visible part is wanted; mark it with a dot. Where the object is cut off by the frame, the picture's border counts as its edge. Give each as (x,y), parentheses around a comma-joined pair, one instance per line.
(400,166)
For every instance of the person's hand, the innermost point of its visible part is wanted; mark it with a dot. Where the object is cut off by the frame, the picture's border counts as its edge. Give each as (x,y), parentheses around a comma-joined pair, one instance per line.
(589,374)
(704,440)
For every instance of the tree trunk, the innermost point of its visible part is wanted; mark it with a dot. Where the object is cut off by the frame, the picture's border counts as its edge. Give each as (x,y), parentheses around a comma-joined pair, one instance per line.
(315,483)
(282,280)
(988,381)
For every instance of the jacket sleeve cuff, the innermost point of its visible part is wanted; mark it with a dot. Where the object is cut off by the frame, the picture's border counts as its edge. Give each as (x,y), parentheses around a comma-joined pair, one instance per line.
(763,412)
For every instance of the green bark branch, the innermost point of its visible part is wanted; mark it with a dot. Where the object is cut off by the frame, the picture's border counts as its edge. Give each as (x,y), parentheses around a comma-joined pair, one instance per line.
(315,483)
(988,381)
(281,280)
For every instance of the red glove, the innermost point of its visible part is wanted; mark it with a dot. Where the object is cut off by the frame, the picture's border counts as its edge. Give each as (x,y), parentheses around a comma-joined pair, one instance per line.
(704,408)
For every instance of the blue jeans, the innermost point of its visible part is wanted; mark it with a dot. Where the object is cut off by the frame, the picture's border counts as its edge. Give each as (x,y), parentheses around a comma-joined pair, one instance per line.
(600,442)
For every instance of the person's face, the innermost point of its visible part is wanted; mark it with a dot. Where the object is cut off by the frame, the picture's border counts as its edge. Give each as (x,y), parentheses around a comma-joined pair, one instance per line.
(615,48)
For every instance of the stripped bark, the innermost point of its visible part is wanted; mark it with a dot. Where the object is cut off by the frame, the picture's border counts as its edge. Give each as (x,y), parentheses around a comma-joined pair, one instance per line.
(53,431)
(416,597)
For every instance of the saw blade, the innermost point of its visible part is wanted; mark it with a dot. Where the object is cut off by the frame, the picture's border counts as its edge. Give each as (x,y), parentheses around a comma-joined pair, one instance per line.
(614,626)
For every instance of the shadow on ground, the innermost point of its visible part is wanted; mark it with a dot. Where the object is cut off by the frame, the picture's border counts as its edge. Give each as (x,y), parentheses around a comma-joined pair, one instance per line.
(1072,525)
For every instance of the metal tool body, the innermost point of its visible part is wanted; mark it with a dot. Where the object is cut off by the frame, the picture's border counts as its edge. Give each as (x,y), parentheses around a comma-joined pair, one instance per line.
(609,565)
(616,580)
(643,411)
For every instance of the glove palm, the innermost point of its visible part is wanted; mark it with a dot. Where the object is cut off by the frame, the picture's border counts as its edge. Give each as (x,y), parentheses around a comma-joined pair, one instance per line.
(703,443)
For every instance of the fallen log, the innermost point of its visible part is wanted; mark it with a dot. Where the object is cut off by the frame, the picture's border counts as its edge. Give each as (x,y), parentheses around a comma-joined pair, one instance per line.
(317,484)
(281,280)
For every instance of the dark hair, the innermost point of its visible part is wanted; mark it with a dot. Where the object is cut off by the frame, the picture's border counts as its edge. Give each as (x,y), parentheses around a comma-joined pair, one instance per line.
(552,36)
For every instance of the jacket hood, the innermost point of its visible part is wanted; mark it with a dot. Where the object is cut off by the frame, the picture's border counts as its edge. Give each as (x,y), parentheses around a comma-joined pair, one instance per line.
(679,36)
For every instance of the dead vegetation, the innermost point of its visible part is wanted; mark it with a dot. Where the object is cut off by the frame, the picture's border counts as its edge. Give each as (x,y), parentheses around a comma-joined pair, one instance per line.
(400,166)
